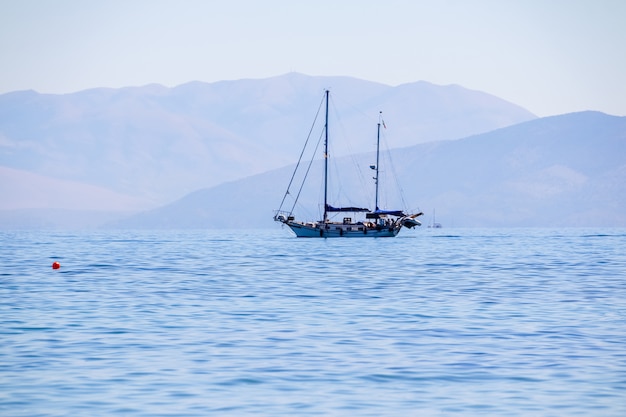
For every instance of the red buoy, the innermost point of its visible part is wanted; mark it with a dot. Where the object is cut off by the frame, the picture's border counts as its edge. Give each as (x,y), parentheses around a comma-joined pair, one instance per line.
(56,265)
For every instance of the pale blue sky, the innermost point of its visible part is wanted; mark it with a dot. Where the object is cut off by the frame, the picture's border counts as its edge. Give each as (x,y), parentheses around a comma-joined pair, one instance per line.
(549,56)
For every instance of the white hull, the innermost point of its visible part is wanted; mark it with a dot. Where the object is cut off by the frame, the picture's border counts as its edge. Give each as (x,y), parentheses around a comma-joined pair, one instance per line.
(341,230)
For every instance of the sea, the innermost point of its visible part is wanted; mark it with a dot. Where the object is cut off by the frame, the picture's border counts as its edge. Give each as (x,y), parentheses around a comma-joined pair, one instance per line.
(434,322)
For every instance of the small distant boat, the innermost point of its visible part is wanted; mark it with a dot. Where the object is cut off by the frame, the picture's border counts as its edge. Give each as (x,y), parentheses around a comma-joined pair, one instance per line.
(373,223)
(434,224)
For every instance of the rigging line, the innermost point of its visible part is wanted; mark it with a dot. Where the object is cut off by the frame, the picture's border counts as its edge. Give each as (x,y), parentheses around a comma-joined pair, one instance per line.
(306,174)
(394,173)
(356,109)
(367,118)
(351,153)
(301,154)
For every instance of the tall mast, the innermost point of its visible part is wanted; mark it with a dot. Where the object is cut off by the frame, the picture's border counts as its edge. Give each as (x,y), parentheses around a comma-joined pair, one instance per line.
(326,163)
(377,159)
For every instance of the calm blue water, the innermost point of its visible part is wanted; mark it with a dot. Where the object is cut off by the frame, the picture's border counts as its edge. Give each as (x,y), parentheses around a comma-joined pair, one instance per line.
(441,322)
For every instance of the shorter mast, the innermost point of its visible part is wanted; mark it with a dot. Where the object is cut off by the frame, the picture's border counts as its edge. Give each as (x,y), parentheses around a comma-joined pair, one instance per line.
(380,118)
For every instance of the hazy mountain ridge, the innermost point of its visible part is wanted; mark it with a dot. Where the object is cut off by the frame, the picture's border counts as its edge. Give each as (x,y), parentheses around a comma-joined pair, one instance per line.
(157,144)
(567,170)
(40,192)
(563,170)
(66,158)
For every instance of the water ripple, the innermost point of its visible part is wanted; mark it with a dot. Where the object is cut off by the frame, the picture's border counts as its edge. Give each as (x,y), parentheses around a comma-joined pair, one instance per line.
(193,323)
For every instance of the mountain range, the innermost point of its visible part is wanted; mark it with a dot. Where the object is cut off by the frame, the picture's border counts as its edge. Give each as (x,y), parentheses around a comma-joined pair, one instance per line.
(219,154)
(559,171)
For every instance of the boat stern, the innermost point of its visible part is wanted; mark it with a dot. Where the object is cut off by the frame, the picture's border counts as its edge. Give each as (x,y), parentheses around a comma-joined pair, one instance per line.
(410,221)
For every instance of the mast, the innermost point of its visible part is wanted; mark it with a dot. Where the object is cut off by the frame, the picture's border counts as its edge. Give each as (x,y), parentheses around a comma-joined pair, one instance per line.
(326,163)
(377,159)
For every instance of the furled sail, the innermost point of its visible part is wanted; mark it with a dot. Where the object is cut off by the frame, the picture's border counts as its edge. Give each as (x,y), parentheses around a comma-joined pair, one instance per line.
(330,208)
(398,213)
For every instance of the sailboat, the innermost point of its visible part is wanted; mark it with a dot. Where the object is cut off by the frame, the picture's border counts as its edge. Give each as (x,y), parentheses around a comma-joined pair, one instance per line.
(434,224)
(373,223)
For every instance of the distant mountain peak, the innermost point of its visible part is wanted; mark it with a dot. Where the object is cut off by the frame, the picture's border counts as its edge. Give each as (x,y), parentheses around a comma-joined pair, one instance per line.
(160,143)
